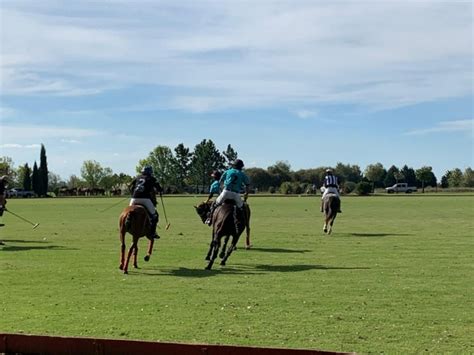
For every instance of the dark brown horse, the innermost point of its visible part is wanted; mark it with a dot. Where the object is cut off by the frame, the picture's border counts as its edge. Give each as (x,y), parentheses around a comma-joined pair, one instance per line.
(331,205)
(227,221)
(134,220)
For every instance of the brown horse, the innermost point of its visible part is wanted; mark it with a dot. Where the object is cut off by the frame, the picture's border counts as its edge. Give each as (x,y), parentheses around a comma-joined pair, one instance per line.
(134,220)
(227,221)
(331,205)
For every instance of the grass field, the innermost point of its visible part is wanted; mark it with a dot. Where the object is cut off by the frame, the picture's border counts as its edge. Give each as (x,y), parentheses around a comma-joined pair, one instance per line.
(396,275)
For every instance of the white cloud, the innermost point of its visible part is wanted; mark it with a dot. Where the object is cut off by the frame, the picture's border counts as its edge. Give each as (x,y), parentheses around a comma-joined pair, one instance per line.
(40,133)
(233,55)
(466,126)
(305,114)
(19,146)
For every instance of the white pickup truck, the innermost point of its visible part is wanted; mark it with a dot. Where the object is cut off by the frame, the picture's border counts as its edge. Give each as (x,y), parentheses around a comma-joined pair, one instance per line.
(401,187)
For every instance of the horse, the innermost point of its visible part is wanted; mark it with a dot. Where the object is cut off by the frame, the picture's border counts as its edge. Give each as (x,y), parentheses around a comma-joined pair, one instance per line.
(227,221)
(134,220)
(331,205)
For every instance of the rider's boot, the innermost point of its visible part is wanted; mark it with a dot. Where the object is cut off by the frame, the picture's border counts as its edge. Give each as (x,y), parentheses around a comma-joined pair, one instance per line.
(209,215)
(153,224)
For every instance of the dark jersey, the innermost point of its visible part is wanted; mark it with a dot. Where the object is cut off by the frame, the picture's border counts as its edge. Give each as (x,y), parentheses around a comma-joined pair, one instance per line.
(2,187)
(330,181)
(144,186)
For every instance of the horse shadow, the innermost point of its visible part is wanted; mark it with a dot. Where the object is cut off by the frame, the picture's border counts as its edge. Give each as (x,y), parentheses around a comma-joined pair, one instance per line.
(28,246)
(240,269)
(378,235)
(280,250)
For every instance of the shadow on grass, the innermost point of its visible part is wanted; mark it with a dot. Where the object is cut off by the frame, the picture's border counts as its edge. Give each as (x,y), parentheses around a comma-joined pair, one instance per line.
(278,250)
(8,247)
(369,235)
(240,269)
(199,273)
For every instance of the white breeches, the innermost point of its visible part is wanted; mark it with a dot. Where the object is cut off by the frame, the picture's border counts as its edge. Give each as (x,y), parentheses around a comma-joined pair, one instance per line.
(330,190)
(145,202)
(229,195)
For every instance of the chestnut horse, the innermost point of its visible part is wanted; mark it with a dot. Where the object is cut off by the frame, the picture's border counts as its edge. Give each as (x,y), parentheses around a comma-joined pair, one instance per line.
(331,205)
(134,220)
(227,221)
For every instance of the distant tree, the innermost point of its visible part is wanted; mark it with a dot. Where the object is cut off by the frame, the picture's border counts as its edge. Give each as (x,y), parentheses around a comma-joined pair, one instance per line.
(375,173)
(92,172)
(347,172)
(162,160)
(445,179)
(182,161)
(108,179)
(43,173)
(259,178)
(455,178)
(425,175)
(286,188)
(55,182)
(280,172)
(468,178)
(363,188)
(391,177)
(230,155)
(7,168)
(348,187)
(26,177)
(205,159)
(75,182)
(409,175)
(309,176)
(35,180)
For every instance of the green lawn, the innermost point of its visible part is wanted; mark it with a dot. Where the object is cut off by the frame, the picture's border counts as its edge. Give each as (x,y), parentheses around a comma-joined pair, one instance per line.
(396,275)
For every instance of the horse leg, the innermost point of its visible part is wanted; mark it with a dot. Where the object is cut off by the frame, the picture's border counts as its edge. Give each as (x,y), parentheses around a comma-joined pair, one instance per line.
(150,249)
(325,226)
(248,245)
(135,253)
(331,223)
(222,253)
(130,252)
(230,249)
(215,250)
(122,249)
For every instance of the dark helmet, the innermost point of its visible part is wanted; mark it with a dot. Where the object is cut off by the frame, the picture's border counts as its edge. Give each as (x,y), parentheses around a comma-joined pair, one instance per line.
(147,170)
(216,174)
(238,164)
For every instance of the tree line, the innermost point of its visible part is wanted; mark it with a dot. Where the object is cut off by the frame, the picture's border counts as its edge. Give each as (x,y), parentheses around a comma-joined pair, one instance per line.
(182,170)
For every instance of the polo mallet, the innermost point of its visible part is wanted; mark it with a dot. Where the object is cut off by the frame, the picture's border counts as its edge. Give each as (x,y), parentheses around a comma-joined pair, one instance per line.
(23,219)
(164,212)
(115,204)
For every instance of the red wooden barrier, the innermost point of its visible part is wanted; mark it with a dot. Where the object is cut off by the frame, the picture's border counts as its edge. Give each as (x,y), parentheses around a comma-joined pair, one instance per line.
(35,344)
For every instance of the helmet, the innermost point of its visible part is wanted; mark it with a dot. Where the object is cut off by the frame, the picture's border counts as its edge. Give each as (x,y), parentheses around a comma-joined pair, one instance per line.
(147,170)
(329,171)
(4,178)
(238,164)
(216,174)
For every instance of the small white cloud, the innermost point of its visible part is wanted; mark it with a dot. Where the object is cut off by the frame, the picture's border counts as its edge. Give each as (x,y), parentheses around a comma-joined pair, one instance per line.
(305,114)
(19,146)
(446,126)
(72,141)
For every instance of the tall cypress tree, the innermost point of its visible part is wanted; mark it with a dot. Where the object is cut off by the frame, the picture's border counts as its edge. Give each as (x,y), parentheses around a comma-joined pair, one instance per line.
(27,177)
(43,172)
(35,179)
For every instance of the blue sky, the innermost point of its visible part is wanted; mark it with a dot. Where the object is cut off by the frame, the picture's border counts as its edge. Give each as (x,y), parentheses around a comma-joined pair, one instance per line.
(310,82)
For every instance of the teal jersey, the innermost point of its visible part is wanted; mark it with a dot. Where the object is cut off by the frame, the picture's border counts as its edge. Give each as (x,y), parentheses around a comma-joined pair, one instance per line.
(234,180)
(215,187)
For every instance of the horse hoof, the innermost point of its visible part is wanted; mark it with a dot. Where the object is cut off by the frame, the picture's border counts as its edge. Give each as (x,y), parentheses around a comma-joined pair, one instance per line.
(207,268)
(146,258)
(135,266)
(222,263)
(248,246)
(325,230)
(221,255)
(120,267)
(125,272)
(207,258)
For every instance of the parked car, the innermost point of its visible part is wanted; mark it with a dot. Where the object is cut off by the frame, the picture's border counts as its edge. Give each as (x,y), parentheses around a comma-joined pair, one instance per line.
(401,187)
(16,192)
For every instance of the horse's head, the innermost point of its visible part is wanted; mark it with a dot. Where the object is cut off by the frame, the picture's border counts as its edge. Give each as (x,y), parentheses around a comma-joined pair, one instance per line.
(203,209)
